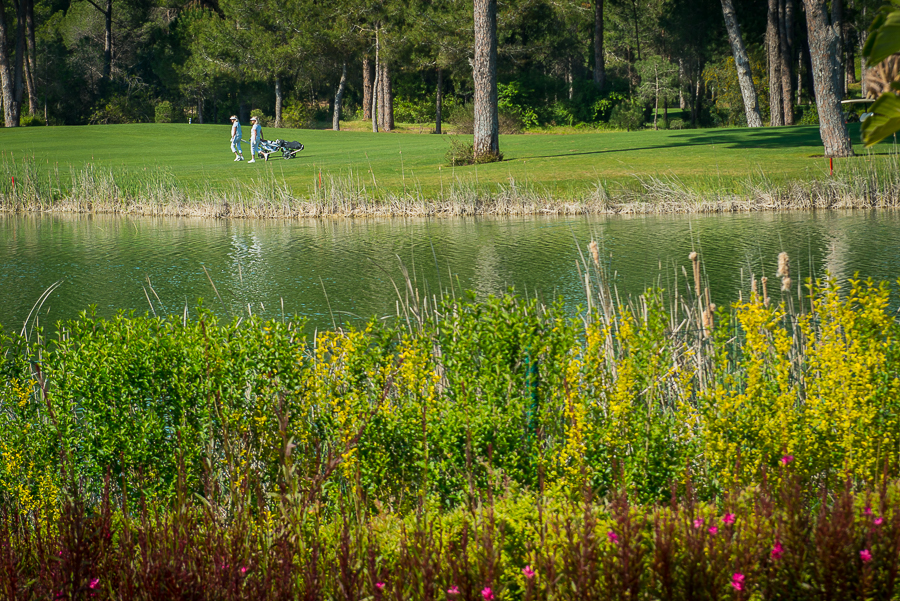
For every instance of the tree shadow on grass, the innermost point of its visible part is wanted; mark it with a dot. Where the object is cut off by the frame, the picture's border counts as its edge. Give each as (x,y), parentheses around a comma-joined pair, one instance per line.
(768,138)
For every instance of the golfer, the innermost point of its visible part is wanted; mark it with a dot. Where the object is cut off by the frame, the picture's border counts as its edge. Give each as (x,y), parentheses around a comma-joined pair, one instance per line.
(255,138)
(236,139)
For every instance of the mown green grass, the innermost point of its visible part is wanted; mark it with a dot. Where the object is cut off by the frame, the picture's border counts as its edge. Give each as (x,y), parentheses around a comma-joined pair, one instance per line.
(712,159)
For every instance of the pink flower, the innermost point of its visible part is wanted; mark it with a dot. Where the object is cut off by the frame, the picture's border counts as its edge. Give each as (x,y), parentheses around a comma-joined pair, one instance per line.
(95,583)
(244,570)
(453,590)
(379,585)
(879,521)
(787,459)
(529,573)
(698,523)
(865,555)
(737,581)
(777,550)
(613,537)
(868,510)
(714,530)
(729,518)
(487,593)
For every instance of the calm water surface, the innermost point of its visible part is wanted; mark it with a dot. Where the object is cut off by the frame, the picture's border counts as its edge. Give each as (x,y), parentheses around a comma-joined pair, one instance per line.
(334,271)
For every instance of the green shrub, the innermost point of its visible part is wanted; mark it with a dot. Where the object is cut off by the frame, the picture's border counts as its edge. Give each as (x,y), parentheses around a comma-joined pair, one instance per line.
(264,120)
(165,112)
(461,152)
(26,120)
(512,101)
(628,116)
(297,115)
(809,115)
(462,116)
(123,109)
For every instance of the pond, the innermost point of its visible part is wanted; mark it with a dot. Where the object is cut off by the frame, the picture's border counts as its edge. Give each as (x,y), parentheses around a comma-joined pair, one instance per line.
(345,270)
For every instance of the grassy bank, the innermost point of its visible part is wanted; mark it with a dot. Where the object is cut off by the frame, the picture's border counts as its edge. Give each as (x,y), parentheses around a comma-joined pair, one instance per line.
(179,169)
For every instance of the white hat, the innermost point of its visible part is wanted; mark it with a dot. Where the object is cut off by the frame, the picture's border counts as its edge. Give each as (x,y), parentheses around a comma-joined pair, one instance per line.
(254,118)
(233,118)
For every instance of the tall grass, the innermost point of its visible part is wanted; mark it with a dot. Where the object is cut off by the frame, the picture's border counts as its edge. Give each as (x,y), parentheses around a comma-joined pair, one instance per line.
(25,186)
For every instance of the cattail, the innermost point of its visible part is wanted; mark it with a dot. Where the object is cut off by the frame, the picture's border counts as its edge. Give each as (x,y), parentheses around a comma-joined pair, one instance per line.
(696,261)
(785,284)
(765,281)
(753,290)
(595,252)
(784,266)
(708,318)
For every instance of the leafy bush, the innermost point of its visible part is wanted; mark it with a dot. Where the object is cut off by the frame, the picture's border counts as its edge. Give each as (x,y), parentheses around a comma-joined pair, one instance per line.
(26,120)
(628,116)
(810,115)
(123,109)
(419,110)
(507,387)
(462,116)
(461,152)
(677,124)
(264,120)
(512,101)
(165,112)
(297,115)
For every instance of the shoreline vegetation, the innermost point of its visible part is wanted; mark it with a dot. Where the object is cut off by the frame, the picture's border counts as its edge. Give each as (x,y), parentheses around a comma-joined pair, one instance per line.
(655,448)
(330,184)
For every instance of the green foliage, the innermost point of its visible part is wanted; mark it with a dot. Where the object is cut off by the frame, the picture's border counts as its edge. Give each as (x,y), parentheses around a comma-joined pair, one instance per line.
(297,115)
(721,78)
(883,41)
(165,112)
(422,109)
(123,109)
(26,120)
(512,100)
(628,116)
(810,115)
(602,107)
(461,152)
(499,388)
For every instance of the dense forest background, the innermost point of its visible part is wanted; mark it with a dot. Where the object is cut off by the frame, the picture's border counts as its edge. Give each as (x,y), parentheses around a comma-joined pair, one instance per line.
(616,63)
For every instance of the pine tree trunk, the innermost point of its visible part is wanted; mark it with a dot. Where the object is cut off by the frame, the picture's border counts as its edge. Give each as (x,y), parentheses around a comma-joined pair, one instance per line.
(19,69)
(338,99)
(107,43)
(31,58)
(487,122)
(375,84)
(823,45)
(279,103)
(367,88)
(599,59)
(773,55)
(439,100)
(861,41)
(379,69)
(745,79)
(388,99)
(785,28)
(6,81)
(837,21)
